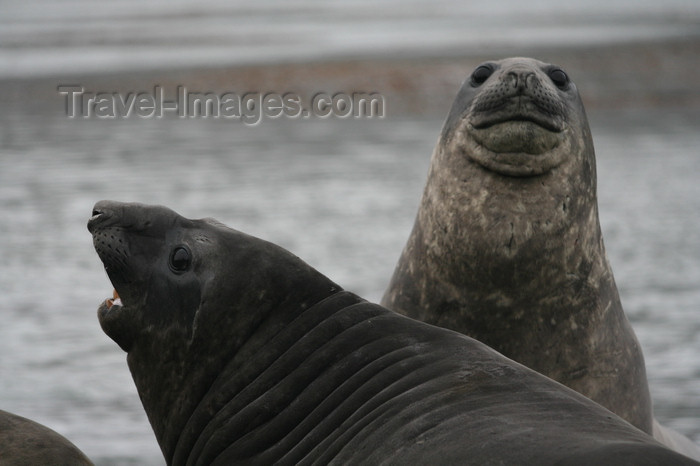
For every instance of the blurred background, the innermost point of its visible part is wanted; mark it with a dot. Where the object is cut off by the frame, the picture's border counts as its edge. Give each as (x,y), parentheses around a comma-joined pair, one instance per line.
(341,193)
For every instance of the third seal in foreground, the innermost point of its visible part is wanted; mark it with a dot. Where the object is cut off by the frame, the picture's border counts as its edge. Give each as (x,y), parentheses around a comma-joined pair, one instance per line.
(507,246)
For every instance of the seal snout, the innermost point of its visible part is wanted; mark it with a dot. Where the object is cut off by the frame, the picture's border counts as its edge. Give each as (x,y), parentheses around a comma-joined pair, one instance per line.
(514,117)
(520,79)
(521,91)
(95,219)
(110,242)
(102,212)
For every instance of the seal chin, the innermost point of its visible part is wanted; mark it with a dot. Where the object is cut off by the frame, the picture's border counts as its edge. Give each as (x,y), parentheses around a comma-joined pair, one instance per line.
(516,147)
(113,304)
(114,323)
(107,308)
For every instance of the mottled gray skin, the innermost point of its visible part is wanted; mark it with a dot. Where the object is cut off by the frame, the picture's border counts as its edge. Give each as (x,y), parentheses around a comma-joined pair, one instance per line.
(244,354)
(24,442)
(507,246)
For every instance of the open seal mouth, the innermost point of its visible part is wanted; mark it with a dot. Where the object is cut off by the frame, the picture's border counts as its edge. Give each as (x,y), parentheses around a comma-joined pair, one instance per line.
(115,300)
(110,229)
(110,308)
(116,321)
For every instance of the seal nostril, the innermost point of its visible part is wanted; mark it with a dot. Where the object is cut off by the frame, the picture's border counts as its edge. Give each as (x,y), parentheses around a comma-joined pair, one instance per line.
(98,217)
(521,79)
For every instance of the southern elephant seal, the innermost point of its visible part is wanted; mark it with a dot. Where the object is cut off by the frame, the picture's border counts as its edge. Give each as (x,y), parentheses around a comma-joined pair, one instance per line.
(25,442)
(507,246)
(243,353)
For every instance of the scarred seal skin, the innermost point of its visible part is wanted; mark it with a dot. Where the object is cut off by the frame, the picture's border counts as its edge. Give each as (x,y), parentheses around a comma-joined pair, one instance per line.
(24,442)
(507,247)
(244,354)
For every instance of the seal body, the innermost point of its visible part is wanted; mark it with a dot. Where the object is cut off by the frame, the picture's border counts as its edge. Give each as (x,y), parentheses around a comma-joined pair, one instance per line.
(24,442)
(507,246)
(244,354)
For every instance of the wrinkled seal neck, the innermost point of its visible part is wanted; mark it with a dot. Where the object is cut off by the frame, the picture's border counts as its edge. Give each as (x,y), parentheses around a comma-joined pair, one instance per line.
(177,373)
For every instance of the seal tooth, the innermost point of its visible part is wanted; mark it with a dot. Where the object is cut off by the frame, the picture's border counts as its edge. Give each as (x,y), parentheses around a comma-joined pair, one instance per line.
(115,299)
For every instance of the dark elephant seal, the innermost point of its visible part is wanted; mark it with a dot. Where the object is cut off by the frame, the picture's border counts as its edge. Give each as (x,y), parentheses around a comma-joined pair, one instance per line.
(244,354)
(507,247)
(24,442)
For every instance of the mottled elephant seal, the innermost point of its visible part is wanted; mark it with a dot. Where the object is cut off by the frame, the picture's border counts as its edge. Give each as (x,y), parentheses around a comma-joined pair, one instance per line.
(244,354)
(507,247)
(24,442)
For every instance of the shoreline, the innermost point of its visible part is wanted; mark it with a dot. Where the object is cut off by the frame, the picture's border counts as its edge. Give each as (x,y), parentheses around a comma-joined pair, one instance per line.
(648,74)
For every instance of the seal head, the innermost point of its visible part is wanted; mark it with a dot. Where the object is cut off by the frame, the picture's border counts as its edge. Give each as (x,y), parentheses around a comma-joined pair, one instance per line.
(514,117)
(24,442)
(179,282)
(137,250)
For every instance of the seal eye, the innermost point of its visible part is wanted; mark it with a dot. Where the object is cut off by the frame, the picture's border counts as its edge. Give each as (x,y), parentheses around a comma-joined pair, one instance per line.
(559,78)
(481,74)
(179,259)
